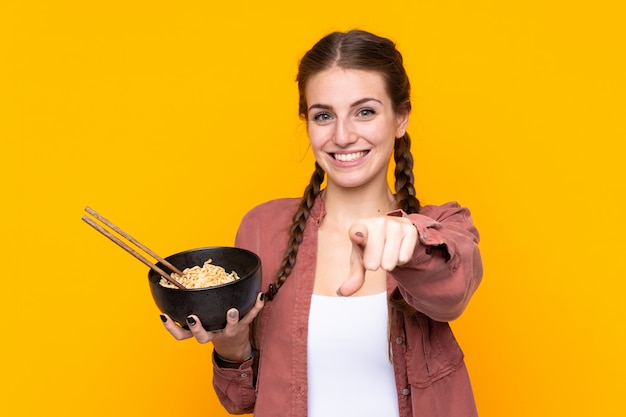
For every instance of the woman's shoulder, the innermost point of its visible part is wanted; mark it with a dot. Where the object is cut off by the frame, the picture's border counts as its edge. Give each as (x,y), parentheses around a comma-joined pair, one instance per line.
(272,211)
(266,225)
(274,206)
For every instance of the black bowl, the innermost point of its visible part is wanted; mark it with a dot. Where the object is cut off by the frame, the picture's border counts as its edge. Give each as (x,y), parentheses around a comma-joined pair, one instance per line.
(210,304)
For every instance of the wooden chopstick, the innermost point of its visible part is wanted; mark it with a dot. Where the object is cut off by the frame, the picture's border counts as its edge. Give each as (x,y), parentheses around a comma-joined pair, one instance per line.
(132,240)
(129,249)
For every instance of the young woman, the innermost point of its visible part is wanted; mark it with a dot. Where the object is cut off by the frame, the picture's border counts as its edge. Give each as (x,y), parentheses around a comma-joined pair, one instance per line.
(361,281)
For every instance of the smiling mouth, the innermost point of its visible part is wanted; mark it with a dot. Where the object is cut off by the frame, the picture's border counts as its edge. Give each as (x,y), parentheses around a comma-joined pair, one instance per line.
(349,157)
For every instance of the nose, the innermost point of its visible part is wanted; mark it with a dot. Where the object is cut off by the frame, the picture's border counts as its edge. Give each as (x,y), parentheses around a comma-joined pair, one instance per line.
(345,132)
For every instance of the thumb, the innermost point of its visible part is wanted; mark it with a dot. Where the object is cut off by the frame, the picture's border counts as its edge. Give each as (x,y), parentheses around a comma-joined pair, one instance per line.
(356,276)
(232,316)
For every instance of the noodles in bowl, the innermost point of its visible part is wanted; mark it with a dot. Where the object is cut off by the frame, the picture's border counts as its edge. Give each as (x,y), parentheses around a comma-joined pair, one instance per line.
(208,275)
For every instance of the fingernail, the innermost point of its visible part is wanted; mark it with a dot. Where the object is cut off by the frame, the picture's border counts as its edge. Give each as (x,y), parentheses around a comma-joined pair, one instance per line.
(232,314)
(163,318)
(339,293)
(191,321)
(262,296)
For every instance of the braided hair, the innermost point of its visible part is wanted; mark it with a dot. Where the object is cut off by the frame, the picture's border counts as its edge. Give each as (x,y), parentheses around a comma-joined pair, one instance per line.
(296,230)
(355,49)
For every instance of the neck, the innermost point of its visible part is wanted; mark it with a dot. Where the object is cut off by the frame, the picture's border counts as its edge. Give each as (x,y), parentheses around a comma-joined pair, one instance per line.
(346,205)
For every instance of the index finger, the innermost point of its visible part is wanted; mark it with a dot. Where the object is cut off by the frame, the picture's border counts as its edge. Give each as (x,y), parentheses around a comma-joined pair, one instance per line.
(254,311)
(175,330)
(356,276)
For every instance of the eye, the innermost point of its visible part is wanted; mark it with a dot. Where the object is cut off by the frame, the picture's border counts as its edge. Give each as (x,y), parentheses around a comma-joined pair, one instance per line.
(366,113)
(322,117)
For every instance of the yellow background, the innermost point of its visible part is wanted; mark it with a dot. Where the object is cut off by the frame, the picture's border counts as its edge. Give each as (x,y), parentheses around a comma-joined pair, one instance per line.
(174,118)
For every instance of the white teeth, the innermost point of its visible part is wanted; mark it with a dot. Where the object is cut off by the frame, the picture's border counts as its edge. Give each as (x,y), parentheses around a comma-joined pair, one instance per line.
(349,157)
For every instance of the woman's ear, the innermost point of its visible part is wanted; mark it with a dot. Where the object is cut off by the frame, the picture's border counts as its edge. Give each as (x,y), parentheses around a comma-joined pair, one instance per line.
(402,120)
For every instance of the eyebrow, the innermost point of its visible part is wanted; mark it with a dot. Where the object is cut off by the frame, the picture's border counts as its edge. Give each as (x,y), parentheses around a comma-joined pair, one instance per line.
(355,104)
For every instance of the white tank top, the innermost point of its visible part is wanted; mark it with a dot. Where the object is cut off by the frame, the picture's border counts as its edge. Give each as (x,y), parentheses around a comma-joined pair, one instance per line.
(349,370)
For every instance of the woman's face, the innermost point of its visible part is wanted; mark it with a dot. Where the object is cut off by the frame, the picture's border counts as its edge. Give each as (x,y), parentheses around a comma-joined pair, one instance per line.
(352,126)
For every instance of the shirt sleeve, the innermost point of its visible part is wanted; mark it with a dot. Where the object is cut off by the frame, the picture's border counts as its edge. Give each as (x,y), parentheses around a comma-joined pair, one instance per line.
(446,267)
(235,387)
(260,231)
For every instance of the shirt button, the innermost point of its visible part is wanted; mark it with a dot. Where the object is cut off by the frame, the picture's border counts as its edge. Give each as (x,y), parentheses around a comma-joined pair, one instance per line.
(425,235)
(244,375)
(398,340)
(406,392)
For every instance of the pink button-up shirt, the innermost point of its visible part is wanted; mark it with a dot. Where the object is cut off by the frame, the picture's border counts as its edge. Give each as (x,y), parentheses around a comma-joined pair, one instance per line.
(431,377)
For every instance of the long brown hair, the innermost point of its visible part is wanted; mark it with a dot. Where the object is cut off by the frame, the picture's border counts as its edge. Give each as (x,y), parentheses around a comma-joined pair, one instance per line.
(355,49)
